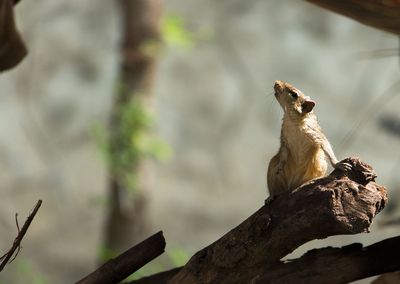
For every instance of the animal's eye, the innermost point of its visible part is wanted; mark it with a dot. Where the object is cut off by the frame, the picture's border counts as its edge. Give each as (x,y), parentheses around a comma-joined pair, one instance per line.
(294,94)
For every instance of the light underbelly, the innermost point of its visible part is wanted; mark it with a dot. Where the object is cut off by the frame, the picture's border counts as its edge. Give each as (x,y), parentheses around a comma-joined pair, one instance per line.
(303,169)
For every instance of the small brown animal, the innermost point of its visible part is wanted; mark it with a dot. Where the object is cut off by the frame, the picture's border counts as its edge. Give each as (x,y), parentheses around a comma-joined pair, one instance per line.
(304,148)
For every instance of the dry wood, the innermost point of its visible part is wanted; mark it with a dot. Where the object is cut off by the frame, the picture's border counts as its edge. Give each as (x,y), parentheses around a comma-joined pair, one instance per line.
(18,239)
(326,265)
(336,204)
(140,26)
(381,14)
(337,265)
(117,269)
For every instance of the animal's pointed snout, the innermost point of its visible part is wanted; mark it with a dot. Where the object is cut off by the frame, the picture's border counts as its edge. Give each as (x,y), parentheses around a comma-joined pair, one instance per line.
(278,86)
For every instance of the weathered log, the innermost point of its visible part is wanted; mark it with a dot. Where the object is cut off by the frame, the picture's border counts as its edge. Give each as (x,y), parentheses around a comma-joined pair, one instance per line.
(117,269)
(337,265)
(333,205)
(381,14)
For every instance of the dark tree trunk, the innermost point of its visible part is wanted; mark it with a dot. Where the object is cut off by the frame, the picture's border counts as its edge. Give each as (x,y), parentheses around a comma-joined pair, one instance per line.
(126,220)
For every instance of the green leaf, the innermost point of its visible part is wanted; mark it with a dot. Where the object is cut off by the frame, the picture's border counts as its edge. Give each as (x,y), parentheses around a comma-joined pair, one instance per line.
(175,33)
(160,150)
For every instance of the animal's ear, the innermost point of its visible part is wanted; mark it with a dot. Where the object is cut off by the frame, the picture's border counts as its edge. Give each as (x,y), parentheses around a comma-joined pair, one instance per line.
(307,106)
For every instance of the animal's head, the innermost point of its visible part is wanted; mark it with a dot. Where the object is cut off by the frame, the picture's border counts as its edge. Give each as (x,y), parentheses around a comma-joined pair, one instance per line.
(292,99)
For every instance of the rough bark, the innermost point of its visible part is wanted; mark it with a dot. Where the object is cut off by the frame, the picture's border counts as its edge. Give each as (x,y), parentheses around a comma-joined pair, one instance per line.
(381,14)
(140,20)
(116,270)
(12,48)
(326,265)
(337,265)
(336,204)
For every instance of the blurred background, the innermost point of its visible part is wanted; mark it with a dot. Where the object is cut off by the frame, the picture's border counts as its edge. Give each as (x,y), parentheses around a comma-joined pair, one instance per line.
(207,111)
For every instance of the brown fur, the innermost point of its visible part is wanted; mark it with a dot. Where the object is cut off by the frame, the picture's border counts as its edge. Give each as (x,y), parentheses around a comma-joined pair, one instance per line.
(303,149)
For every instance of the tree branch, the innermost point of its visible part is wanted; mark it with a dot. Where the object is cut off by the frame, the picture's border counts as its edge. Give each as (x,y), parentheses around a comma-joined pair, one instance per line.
(333,205)
(116,270)
(337,265)
(380,14)
(18,239)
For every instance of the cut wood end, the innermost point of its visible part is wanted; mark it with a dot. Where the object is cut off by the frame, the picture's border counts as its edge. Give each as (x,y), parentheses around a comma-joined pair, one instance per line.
(362,184)
(360,172)
(357,197)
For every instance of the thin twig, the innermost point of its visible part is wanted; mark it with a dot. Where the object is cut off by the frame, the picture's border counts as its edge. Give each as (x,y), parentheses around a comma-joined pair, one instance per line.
(16,222)
(19,231)
(18,239)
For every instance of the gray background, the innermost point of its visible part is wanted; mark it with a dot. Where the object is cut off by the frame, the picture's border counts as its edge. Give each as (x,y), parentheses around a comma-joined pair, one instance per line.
(214,107)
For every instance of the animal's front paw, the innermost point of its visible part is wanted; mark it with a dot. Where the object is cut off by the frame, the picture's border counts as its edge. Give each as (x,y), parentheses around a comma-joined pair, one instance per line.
(342,166)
